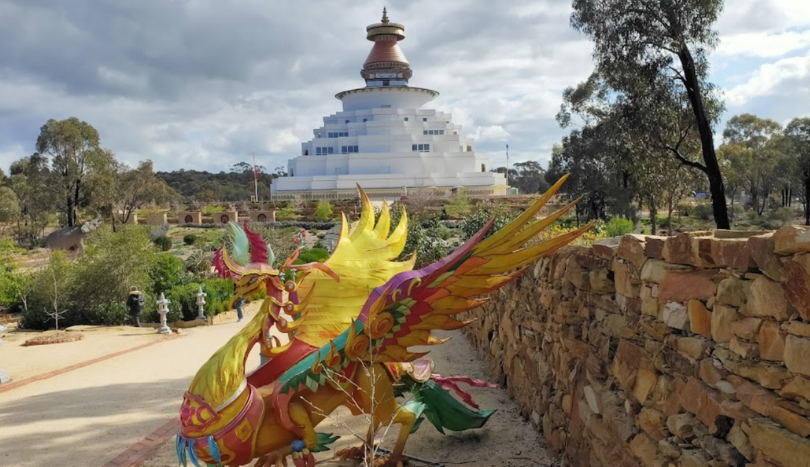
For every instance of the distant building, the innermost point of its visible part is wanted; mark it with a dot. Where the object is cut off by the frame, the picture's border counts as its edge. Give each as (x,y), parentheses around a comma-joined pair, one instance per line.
(385,140)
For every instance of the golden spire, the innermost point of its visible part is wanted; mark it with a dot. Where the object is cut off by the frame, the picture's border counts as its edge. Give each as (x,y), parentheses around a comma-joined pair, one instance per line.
(385,16)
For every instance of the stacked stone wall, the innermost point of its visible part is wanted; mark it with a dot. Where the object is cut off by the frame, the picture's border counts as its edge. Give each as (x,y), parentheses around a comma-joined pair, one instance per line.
(651,351)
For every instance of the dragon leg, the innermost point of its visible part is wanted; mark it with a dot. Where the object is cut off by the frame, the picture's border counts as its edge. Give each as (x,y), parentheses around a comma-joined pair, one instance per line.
(302,456)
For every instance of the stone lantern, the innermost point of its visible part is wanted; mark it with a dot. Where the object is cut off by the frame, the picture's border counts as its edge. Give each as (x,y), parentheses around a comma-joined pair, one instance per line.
(201,303)
(3,376)
(163,308)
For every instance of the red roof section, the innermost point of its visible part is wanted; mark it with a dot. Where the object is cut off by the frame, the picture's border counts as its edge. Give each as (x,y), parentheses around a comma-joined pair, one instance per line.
(385,51)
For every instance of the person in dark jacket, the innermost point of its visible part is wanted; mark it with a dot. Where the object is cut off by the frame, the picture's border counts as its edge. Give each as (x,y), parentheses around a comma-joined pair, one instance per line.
(135,306)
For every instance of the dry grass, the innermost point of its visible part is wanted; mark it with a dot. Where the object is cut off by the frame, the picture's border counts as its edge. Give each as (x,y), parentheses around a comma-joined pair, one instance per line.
(54,338)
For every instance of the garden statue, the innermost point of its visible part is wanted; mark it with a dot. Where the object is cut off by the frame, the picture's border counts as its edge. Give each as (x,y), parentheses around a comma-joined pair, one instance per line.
(201,303)
(347,325)
(163,309)
(71,238)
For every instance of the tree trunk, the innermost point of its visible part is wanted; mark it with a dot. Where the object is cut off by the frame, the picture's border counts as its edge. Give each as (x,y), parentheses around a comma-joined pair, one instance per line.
(653,218)
(706,139)
(761,207)
(806,200)
(670,208)
(69,212)
(76,201)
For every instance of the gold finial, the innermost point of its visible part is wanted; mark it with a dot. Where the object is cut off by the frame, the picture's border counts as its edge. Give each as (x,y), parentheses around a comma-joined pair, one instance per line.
(385,16)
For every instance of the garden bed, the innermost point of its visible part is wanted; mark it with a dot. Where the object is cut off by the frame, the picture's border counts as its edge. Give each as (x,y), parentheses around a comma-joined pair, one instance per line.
(58,337)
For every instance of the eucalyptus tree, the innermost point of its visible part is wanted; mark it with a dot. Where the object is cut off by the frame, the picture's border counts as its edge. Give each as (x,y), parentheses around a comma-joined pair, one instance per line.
(797,135)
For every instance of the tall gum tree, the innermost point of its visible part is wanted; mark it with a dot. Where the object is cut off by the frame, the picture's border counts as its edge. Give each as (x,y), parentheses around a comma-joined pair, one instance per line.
(651,40)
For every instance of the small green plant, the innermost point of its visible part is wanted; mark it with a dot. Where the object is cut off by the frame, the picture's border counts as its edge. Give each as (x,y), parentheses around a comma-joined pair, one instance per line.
(163,242)
(286,214)
(703,211)
(211,209)
(323,211)
(460,206)
(313,255)
(618,226)
(189,239)
(166,272)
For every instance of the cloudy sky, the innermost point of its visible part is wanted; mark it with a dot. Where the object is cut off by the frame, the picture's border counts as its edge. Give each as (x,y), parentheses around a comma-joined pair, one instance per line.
(199,84)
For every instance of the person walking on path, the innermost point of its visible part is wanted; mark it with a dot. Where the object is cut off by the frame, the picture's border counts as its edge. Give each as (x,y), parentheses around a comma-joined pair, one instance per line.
(239,304)
(135,305)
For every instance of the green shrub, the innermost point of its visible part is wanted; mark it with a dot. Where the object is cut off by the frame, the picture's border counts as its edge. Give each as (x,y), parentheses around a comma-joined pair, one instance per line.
(323,211)
(11,279)
(460,205)
(199,264)
(183,302)
(219,294)
(618,226)
(472,224)
(686,209)
(166,272)
(286,214)
(211,209)
(189,239)
(703,211)
(313,255)
(163,242)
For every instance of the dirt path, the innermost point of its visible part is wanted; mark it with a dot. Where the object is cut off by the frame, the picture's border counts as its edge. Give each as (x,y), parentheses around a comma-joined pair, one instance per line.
(506,440)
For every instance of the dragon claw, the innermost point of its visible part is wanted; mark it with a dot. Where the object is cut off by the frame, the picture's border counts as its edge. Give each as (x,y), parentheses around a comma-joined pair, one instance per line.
(302,457)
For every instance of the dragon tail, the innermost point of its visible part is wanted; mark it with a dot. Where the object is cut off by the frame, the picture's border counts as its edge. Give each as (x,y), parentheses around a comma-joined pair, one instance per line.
(433,402)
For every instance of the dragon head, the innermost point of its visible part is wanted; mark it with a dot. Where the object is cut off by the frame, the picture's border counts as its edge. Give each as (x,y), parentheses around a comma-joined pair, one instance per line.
(250,265)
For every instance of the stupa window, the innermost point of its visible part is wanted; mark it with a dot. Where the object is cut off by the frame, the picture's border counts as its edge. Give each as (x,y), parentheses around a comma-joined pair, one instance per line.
(337,134)
(420,147)
(349,149)
(324,151)
(433,132)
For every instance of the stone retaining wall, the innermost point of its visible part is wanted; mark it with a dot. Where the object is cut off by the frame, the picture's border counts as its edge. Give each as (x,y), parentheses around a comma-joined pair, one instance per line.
(652,351)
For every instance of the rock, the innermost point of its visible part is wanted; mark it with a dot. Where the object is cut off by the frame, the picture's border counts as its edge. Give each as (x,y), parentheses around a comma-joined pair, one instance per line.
(654,246)
(732,291)
(797,355)
(746,328)
(700,318)
(685,426)
(606,248)
(653,422)
(798,329)
(767,299)
(732,253)
(600,281)
(694,347)
(756,398)
(778,444)
(711,371)
(737,437)
(631,248)
(668,449)
(797,287)
(675,315)
(694,458)
(766,374)
(771,341)
(722,317)
(625,284)
(721,450)
(702,252)
(796,388)
(649,304)
(743,348)
(761,248)
(594,402)
(678,249)
(626,363)
(792,239)
(705,403)
(790,420)
(654,270)
(644,449)
(685,286)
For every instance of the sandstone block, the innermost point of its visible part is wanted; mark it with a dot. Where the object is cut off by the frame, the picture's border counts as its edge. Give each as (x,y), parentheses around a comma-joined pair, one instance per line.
(797,387)
(700,318)
(778,444)
(668,449)
(704,402)
(654,246)
(732,291)
(797,355)
(685,426)
(600,281)
(737,437)
(746,328)
(761,248)
(766,374)
(631,248)
(798,328)
(797,288)
(722,317)
(790,420)
(626,363)
(685,286)
(678,249)
(743,348)
(644,449)
(649,304)
(771,341)
(606,248)
(593,399)
(792,239)
(756,397)
(702,252)
(694,458)
(711,371)
(694,347)
(654,270)
(732,253)
(626,284)
(721,450)
(767,299)
(675,315)
(653,422)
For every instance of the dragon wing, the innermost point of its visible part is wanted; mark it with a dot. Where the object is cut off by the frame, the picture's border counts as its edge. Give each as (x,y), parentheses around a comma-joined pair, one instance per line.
(363,260)
(402,312)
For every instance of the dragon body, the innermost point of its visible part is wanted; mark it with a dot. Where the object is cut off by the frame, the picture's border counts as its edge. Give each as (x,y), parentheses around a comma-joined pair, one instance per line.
(349,323)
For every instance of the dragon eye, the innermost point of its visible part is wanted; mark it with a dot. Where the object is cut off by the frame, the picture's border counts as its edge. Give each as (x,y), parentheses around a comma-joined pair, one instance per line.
(253,280)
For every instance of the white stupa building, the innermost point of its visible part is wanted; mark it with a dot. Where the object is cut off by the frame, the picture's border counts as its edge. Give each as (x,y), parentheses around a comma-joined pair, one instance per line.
(386,138)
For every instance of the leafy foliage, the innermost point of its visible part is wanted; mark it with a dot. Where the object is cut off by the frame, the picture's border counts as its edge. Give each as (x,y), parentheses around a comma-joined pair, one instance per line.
(166,272)
(163,242)
(189,239)
(618,226)
(472,224)
(459,205)
(323,211)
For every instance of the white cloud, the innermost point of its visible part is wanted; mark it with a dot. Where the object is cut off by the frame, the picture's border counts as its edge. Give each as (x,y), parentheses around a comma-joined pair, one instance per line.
(770,80)
(765,45)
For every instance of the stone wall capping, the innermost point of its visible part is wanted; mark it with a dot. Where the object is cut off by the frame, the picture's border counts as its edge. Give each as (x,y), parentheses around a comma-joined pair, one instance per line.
(691,350)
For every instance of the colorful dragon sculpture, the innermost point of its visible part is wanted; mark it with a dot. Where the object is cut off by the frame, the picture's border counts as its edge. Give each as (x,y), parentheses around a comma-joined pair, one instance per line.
(349,323)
